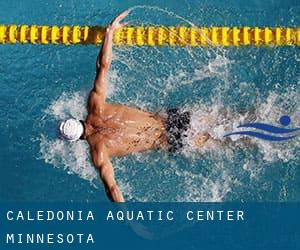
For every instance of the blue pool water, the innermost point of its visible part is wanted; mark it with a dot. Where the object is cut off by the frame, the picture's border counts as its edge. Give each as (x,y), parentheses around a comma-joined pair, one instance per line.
(42,84)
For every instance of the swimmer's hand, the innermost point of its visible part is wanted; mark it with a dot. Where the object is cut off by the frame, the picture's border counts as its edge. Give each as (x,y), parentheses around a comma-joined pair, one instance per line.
(105,57)
(115,24)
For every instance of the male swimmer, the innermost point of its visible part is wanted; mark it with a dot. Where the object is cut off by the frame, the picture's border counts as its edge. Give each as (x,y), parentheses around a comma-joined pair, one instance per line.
(117,130)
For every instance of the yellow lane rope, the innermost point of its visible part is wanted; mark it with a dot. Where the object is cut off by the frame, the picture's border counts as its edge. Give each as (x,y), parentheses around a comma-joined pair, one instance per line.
(152,35)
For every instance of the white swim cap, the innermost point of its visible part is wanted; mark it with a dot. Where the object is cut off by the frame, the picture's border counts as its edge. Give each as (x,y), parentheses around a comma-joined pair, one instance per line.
(70,130)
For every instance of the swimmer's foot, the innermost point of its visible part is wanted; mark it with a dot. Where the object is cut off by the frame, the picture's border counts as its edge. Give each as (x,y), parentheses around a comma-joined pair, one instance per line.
(200,140)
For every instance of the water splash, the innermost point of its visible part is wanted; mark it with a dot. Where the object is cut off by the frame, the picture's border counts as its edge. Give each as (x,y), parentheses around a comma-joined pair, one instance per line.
(74,158)
(192,185)
(215,85)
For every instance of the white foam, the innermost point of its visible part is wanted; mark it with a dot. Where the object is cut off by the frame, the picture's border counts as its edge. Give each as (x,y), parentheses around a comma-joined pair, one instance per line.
(72,157)
(271,110)
(217,121)
(68,105)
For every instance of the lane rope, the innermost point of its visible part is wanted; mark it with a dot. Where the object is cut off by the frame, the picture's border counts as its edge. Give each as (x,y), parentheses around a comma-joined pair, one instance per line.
(152,35)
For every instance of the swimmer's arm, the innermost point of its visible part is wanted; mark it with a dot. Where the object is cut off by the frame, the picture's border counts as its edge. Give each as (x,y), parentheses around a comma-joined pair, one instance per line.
(105,56)
(103,164)
(102,65)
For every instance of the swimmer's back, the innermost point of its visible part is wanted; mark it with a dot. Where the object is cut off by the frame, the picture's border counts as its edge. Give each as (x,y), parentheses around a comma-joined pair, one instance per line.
(126,130)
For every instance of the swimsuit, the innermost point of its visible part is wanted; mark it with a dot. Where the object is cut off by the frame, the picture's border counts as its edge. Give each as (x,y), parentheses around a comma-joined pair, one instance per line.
(177,124)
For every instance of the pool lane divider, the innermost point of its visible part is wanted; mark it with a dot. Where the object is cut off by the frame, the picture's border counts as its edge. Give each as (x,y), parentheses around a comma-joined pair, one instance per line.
(152,35)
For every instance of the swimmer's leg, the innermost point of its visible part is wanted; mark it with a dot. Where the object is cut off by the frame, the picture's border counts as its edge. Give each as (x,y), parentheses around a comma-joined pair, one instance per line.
(200,140)
(203,138)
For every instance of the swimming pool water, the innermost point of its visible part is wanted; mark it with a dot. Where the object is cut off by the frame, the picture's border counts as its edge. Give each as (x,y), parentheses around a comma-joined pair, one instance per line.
(42,84)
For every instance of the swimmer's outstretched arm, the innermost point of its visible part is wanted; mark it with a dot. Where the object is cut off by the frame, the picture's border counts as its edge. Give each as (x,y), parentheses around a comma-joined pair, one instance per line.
(105,56)
(103,164)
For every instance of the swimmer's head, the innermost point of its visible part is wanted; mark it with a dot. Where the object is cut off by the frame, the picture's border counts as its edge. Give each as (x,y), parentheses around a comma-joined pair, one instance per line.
(70,130)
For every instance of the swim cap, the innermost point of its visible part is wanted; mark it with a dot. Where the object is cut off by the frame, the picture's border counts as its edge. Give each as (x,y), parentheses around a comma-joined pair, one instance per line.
(70,129)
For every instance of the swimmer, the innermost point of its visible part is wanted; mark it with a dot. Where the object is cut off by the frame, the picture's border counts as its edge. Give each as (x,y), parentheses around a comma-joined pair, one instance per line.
(114,130)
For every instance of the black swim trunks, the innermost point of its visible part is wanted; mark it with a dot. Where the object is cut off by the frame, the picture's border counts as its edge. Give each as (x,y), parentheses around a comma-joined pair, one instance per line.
(177,125)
